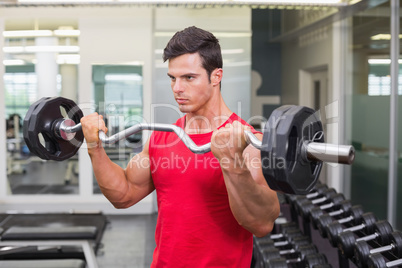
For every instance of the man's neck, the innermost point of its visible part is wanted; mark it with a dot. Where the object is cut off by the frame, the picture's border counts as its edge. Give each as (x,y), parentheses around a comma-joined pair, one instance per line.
(207,120)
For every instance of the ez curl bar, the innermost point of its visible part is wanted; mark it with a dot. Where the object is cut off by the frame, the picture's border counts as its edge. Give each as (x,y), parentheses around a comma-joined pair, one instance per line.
(293,134)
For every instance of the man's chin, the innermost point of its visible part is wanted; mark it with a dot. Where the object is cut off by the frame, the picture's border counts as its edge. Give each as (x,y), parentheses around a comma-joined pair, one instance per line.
(184,109)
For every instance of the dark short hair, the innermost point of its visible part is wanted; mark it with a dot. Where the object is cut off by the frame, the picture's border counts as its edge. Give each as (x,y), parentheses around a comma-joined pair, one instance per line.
(195,40)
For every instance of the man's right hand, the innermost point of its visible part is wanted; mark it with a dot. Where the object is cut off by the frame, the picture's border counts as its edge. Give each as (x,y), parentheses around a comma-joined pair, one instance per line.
(91,125)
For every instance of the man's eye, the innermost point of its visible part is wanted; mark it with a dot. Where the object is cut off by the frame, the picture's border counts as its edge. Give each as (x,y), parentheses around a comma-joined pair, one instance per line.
(190,77)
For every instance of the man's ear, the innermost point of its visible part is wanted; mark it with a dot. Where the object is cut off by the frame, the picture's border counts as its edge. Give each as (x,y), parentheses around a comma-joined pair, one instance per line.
(216,76)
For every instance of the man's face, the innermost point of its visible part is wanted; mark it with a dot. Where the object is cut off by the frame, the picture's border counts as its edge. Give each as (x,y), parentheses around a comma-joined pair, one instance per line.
(190,83)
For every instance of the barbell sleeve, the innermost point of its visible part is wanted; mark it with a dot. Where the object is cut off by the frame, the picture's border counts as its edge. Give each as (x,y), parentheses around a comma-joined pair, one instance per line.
(313,151)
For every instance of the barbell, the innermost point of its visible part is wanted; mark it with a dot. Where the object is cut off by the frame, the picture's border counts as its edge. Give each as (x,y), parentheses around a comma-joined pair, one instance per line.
(292,148)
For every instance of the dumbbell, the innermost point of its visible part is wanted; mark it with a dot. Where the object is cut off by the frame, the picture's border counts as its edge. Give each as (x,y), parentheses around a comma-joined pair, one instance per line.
(308,205)
(323,195)
(290,198)
(377,260)
(283,228)
(366,222)
(301,250)
(267,243)
(347,240)
(294,239)
(354,213)
(311,260)
(362,249)
(339,208)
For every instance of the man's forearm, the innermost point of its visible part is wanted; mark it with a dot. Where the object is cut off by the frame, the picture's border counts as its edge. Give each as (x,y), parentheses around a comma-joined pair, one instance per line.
(255,206)
(110,176)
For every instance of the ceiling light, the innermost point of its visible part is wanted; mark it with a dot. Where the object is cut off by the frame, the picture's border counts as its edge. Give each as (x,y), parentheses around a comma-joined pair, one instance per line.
(383,37)
(59,49)
(34,49)
(29,33)
(66,32)
(13,49)
(41,33)
(382,61)
(13,62)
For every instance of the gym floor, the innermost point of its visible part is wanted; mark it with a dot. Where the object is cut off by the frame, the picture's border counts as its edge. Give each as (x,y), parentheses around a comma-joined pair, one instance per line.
(128,241)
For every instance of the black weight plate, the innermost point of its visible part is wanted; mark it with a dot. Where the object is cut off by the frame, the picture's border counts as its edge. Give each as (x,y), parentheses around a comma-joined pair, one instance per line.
(396,240)
(270,253)
(29,140)
(376,260)
(268,159)
(305,208)
(305,250)
(322,223)
(297,175)
(277,263)
(383,229)
(41,119)
(369,219)
(337,199)
(356,212)
(333,231)
(344,205)
(361,252)
(315,259)
(314,214)
(346,243)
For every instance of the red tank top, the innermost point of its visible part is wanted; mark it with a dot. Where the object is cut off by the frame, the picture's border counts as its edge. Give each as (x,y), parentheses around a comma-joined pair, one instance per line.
(195,226)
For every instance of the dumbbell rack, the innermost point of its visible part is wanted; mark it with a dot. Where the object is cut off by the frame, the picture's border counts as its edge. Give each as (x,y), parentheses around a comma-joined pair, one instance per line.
(291,214)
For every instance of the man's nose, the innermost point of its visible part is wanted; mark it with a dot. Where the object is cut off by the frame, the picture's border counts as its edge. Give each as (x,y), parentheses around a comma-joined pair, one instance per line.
(177,86)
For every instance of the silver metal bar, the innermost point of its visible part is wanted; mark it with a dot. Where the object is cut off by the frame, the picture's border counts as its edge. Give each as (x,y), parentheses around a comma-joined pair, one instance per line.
(393,120)
(332,153)
(382,249)
(71,129)
(313,150)
(368,237)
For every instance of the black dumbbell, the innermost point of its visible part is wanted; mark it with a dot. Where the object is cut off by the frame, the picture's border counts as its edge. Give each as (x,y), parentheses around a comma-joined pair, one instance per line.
(294,239)
(314,194)
(362,249)
(347,240)
(265,245)
(301,250)
(283,229)
(291,198)
(308,205)
(338,209)
(267,241)
(311,260)
(354,213)
(366,223)
(323,196)
(376,260)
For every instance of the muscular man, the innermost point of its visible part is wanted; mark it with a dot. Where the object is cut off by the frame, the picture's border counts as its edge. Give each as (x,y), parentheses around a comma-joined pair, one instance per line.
(209,205)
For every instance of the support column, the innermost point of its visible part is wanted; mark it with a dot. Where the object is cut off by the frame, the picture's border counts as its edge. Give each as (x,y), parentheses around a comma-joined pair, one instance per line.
(393,120)
(69,82)
(46,67)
